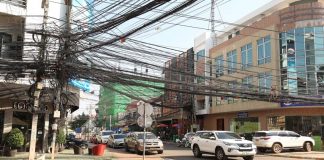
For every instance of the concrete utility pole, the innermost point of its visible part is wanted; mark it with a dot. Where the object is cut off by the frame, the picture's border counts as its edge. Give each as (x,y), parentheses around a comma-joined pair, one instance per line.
(59,82)
(38,85)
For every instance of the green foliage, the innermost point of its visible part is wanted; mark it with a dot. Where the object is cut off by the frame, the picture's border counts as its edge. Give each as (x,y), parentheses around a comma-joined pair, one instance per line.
(79,121)
(61,137)
(15,138)
(318,143)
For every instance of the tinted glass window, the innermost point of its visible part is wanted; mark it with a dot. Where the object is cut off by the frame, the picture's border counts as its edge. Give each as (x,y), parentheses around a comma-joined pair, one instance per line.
(264,134)
(107,133)
(119,136)
(283,134)
(205,135)
(293,134)
(148,136)
(227,135)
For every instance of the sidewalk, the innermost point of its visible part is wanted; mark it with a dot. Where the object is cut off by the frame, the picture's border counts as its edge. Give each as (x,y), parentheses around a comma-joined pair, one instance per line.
(67,154)
(315,155)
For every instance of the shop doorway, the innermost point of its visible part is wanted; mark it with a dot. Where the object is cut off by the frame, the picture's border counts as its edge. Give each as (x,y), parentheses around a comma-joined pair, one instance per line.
(220,124)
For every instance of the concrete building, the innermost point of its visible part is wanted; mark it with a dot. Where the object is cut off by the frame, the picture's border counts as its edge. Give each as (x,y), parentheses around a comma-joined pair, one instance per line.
(277,48)
(202,67)
(182,115)
(17,17)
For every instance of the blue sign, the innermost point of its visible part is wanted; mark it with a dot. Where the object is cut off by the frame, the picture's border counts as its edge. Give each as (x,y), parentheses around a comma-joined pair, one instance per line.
(78,130)
(299,104)
(242,115)
(84,85)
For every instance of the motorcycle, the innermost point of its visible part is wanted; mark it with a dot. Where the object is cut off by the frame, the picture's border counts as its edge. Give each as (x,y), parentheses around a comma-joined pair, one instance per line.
(75,142)
(183,143)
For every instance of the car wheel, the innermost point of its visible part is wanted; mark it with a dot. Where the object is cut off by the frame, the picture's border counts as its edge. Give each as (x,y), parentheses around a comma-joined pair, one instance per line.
(126,148)
(196,151)
(308,146)
(220,155)
(138,151)
(248,158)
(160,152)
(276,148)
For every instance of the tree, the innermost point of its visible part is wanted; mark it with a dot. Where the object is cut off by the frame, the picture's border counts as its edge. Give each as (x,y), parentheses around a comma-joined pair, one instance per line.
(78,121)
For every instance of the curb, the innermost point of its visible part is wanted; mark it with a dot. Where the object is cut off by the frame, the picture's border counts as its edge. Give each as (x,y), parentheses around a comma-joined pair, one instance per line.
(297,157)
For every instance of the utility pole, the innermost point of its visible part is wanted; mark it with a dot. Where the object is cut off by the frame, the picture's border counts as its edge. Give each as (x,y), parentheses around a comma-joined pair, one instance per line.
(212,22)
(110,122)
(38,85)
(60,84)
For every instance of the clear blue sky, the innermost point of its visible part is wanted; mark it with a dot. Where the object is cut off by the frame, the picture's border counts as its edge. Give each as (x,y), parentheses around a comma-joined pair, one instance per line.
(183,37)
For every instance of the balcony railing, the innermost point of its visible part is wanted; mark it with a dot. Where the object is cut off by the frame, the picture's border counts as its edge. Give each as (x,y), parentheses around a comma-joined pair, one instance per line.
(18,3)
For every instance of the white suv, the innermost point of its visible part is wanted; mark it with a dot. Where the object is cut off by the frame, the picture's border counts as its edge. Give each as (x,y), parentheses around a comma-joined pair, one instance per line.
(279,140)
(222,144)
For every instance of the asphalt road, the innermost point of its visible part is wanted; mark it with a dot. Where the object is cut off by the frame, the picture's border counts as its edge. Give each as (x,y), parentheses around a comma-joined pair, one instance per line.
(172,152)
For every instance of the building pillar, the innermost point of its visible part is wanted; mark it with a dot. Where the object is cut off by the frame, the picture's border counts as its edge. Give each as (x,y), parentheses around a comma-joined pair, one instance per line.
(45,133)
(263,122)
(7,123)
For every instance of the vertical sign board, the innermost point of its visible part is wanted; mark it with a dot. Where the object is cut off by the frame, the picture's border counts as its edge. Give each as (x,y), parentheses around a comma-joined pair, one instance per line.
(292,73)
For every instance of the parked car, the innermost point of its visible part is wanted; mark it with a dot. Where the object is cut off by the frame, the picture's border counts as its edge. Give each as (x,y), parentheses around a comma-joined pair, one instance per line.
(102,137)
(222,144)
(247,136)
(279,140)
(134,141)
(116,140)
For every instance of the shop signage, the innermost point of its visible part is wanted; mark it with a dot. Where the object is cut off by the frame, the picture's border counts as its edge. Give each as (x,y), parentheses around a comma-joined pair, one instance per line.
(296,104)
(242,115)
(26,105)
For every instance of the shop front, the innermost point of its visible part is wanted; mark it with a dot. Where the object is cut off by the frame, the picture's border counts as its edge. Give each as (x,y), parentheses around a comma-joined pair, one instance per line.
(303,120)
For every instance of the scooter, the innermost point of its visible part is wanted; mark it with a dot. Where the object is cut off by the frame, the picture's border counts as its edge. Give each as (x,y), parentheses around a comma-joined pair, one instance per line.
(183,143)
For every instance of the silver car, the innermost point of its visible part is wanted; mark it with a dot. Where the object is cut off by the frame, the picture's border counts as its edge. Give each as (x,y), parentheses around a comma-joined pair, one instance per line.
(116,140)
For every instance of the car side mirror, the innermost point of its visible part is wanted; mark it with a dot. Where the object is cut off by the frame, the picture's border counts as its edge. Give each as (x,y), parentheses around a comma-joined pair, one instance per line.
(212,138)
(243,138)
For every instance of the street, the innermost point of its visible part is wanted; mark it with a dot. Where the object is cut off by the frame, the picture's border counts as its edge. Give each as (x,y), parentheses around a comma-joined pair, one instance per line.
(172,152)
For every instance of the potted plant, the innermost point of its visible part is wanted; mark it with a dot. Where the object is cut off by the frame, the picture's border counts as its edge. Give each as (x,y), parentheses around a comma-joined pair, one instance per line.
(60,140)
(14,140)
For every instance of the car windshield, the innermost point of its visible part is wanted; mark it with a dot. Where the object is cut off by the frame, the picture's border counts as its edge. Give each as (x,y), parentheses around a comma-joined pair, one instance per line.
(263,134)
(148,136)
(119,136)
(227,135)
(190,134)
(106,133)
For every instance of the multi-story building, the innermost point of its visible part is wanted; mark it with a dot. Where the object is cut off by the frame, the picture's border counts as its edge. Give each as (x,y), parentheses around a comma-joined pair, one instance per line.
(203,64)
(18,19)
(180,68)
(277,49)
(112,103)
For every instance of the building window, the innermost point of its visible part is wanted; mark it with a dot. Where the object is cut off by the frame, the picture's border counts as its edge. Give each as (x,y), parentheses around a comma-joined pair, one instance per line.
(219,66)
(246,56)
(229,36)
(247,82)
(231,61)
(265,82)
(264,50)
(200,55)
